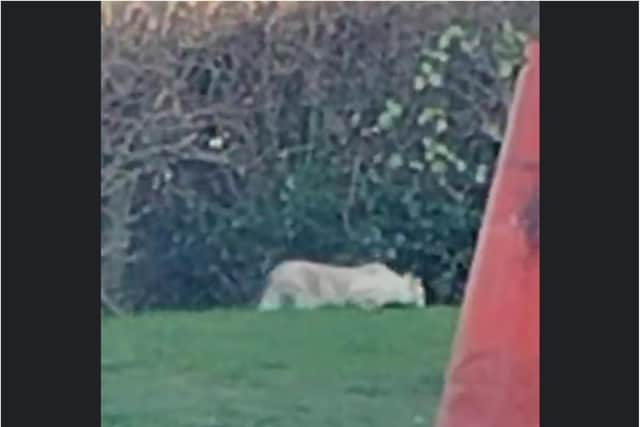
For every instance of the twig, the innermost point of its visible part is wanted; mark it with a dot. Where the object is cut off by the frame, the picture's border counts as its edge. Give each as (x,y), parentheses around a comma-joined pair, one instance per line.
(355,172)
(106,301)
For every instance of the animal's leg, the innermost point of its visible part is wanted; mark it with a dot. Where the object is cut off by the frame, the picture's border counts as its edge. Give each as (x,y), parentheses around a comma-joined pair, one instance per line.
(305,302)
(270,301)
(369,305)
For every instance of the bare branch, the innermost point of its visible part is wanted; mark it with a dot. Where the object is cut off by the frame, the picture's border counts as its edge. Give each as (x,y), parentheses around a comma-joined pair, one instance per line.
(112,306)
(355,172)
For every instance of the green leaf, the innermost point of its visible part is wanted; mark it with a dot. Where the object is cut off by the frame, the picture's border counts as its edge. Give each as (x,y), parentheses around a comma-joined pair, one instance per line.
(416,165)
(422,119)
(441,149)
(216,143)
(290,183)
(441,56)
(492,129)
(441,126)
(426,68)
(374,176)
(428,114)
(385,121)
(481,174)
(355,119)
(504,69)
(456,31)
(444,41)
(419,83)
(391,253)
(435,80)
(507,27)
(437,55)
(395,161)
(522,37)
(438,167)
(394,108)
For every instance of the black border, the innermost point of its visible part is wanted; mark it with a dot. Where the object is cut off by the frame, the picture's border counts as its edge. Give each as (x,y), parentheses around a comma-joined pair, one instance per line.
(50,136)
(589,106)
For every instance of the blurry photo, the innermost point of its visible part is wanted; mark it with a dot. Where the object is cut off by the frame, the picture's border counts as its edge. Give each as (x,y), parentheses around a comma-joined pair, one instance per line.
(318,213)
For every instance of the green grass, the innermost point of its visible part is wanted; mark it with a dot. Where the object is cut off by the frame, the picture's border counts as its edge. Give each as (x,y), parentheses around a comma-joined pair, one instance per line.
(286,369)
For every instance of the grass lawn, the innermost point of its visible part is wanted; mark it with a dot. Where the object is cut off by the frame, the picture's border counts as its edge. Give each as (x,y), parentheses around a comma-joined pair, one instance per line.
(328,367)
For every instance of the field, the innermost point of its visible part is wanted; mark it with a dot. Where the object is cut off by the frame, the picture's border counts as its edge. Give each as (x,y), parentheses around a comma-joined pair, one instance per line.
(286,369)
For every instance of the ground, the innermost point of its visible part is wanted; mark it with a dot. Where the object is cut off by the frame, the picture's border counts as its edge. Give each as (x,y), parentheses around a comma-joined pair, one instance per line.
(287,369)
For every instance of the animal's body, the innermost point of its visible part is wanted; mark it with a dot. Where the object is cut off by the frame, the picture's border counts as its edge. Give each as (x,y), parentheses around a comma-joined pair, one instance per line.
(305,284)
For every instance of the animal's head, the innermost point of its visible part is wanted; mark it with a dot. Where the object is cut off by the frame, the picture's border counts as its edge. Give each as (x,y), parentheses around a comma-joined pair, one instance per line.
(417,288)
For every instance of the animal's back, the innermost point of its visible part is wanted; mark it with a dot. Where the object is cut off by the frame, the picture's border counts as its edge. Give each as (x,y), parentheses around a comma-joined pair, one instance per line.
(307,283)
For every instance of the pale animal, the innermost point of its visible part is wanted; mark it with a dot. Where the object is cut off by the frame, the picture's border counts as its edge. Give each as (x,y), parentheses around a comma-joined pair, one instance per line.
(305,284)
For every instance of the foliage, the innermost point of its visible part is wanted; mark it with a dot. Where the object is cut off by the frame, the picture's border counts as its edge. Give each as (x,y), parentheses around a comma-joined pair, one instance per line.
(336,132)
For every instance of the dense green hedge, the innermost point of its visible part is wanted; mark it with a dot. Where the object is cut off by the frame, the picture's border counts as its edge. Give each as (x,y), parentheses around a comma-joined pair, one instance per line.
(334,132)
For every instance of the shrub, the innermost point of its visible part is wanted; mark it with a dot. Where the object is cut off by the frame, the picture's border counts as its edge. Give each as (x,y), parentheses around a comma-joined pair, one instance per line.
(335,132)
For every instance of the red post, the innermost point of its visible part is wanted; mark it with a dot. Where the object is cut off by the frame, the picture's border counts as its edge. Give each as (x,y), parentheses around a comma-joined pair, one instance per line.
(493,378)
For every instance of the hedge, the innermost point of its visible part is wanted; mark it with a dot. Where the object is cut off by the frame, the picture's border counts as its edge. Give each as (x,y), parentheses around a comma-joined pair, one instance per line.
(340,133)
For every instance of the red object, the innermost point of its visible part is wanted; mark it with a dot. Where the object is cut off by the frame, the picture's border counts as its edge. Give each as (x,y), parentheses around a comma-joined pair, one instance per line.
(494,375)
